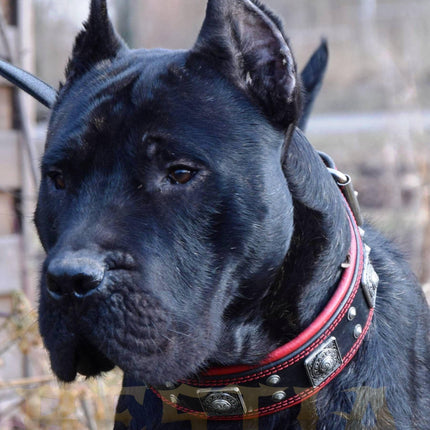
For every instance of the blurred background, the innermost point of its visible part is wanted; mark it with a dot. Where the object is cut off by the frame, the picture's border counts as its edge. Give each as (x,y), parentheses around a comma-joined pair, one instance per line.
(372,116)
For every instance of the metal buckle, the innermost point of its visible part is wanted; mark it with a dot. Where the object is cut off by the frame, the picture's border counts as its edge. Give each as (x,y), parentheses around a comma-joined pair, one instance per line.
(225,401)
(369,279)
(323,362)
(344,182)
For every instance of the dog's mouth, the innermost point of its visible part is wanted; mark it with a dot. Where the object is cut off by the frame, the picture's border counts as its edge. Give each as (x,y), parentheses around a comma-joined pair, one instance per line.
(85,359)
(131,331)
(89,361)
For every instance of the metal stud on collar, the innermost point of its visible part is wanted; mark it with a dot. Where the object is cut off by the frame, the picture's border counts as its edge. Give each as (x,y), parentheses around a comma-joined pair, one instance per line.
(352,313)
(358,330)
(279,396)
(273,380)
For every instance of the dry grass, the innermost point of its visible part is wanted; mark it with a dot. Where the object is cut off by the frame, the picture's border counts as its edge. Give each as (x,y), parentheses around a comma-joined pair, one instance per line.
(40,402)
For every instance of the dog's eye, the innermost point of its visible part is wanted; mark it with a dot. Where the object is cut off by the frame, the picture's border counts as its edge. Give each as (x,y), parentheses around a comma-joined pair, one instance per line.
(57,179)
(181,175)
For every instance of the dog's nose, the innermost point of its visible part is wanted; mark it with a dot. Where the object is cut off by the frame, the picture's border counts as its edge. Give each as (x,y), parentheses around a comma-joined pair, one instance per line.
(73,274)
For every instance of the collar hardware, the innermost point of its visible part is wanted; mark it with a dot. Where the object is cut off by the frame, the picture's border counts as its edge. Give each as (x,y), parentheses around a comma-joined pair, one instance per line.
(273,380)
(323,362)
(222,402)
(346,186)
(352,313)
(370,278)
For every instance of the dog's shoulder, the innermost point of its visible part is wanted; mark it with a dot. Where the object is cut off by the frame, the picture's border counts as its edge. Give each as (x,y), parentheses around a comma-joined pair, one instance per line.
(398,340)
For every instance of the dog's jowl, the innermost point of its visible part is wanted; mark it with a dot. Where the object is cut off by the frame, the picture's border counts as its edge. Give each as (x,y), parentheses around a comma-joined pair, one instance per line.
(197,241)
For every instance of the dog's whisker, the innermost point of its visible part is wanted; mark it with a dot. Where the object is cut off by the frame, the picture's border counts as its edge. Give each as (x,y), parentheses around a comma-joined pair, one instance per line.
(167,338)
(179,332)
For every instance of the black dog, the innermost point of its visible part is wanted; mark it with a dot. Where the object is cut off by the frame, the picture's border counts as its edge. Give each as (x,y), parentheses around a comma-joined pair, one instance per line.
(189,227)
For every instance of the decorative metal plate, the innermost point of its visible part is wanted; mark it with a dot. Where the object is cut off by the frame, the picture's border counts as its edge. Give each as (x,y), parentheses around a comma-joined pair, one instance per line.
(222,402)
(370,279)
(323,362)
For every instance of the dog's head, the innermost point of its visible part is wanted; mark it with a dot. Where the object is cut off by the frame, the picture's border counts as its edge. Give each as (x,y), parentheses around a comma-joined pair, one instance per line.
(163,207)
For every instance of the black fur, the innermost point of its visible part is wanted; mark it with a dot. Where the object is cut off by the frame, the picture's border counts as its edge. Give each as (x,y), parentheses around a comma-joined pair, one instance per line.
(97,42)
(186,224)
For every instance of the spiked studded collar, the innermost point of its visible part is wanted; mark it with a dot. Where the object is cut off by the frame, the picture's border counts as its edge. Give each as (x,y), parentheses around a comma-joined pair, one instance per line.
(306,364)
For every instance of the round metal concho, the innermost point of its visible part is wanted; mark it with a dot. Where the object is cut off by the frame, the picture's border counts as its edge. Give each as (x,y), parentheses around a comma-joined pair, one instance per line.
(325,363)
(221,403)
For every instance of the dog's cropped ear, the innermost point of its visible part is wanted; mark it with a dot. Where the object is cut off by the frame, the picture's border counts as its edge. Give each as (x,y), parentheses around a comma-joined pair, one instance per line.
(312,79)
(247,44)
(98,41)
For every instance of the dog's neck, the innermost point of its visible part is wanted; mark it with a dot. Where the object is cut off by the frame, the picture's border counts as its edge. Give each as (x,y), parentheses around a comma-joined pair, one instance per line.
(312,267)
(320,242)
